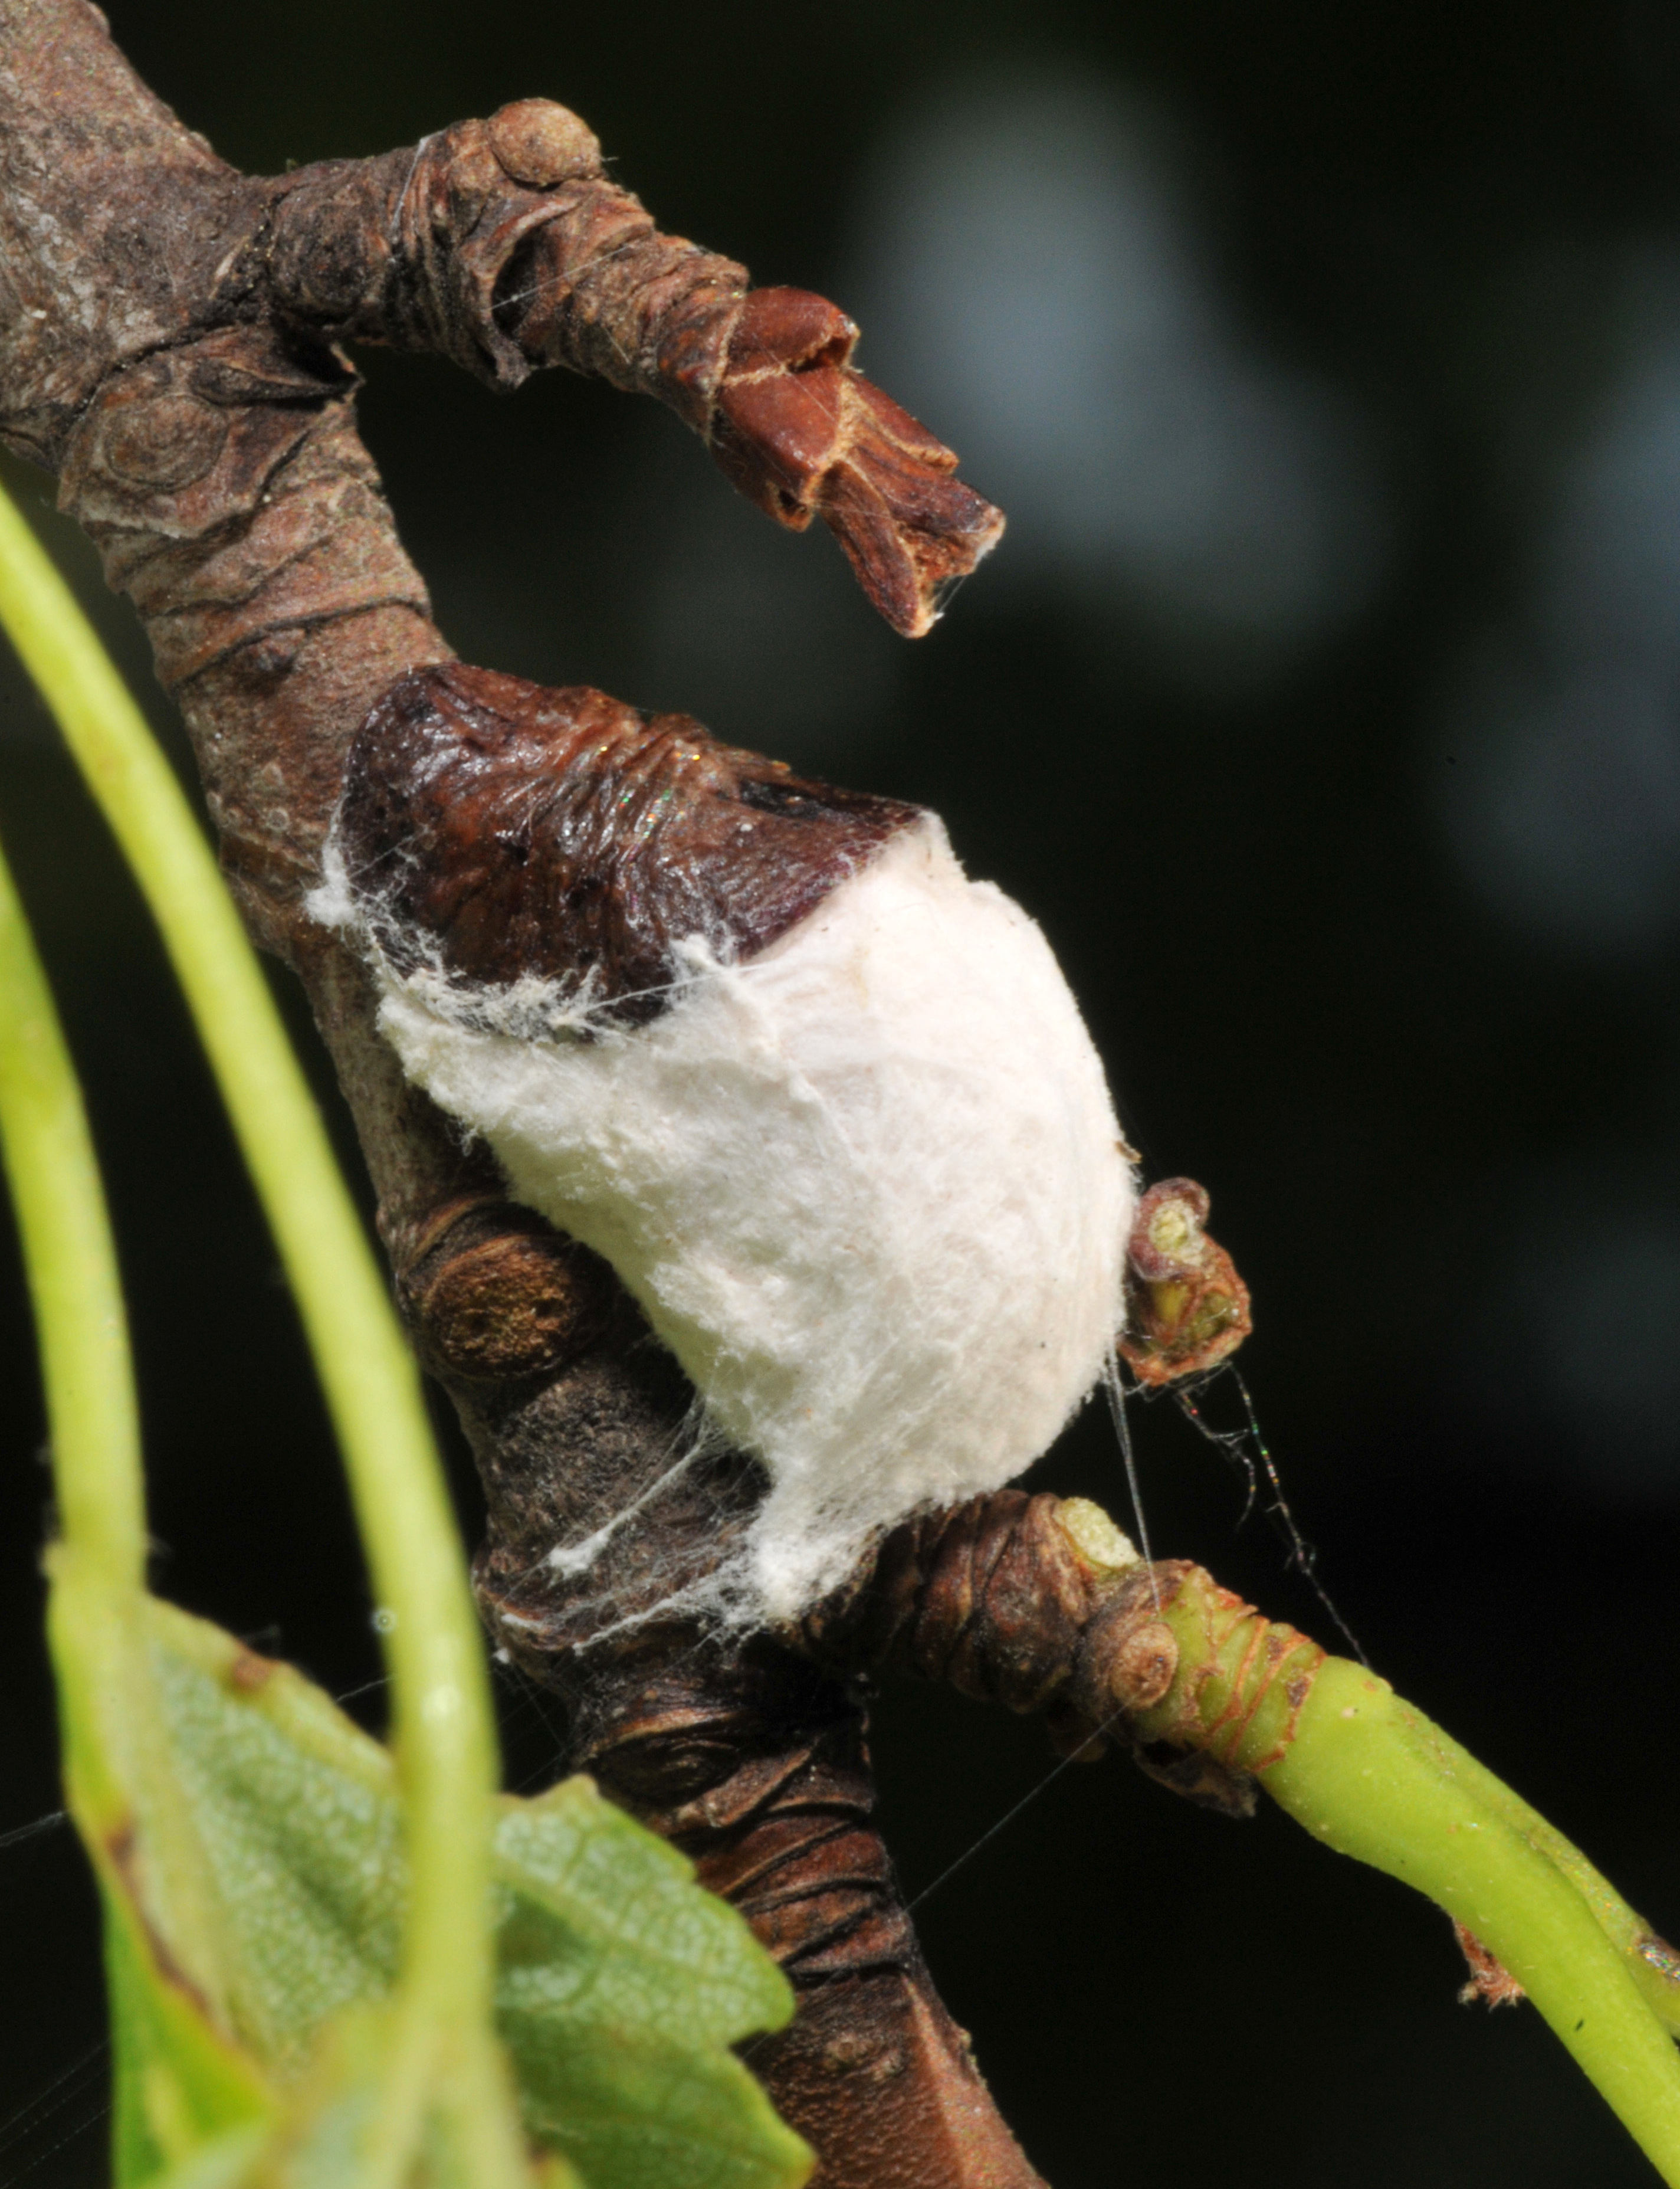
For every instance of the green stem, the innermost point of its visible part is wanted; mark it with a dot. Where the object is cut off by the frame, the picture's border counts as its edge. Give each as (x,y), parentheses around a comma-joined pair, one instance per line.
(1651,1961)
(443,1724)
(70,1262)
(1372,1777)
(98,1643)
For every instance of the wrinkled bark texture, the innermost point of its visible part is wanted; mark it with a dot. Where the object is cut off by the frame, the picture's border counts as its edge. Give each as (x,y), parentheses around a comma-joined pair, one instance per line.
(167,347)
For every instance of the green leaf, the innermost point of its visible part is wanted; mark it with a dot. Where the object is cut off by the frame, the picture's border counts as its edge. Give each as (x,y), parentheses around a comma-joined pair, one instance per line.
(181,2088)
(181,2077)
(228,2163)
(621,1985)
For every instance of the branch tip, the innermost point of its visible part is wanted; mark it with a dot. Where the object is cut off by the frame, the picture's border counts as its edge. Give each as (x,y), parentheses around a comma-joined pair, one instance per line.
(801,433)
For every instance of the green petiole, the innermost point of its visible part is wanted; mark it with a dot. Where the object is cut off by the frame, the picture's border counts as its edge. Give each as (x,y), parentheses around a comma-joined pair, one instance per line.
(70,1264)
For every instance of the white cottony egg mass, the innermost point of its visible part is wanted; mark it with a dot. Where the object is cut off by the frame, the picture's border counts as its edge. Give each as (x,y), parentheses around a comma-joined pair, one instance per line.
(867,1185)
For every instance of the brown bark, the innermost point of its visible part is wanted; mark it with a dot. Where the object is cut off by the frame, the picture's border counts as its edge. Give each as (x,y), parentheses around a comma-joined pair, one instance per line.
(166,332)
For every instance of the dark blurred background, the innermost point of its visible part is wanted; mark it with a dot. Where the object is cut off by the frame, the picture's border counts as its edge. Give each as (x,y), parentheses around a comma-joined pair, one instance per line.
(1324,703)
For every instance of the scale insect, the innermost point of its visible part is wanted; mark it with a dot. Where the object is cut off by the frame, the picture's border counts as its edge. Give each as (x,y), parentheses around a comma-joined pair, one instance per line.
(826,1105)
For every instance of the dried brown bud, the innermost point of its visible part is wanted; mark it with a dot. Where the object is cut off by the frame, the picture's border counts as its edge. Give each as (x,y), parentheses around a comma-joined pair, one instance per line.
(802,434)
(495,829)
(1187,1308)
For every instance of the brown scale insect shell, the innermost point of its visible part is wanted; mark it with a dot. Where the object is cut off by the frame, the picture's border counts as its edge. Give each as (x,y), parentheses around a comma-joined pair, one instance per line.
(495,830)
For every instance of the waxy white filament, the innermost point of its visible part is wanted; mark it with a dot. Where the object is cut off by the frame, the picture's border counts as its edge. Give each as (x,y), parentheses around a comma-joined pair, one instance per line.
(867,1187)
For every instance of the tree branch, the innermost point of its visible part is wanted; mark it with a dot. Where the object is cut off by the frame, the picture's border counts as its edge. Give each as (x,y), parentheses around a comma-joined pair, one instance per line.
(165,332)
(167,346)
(503,245)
